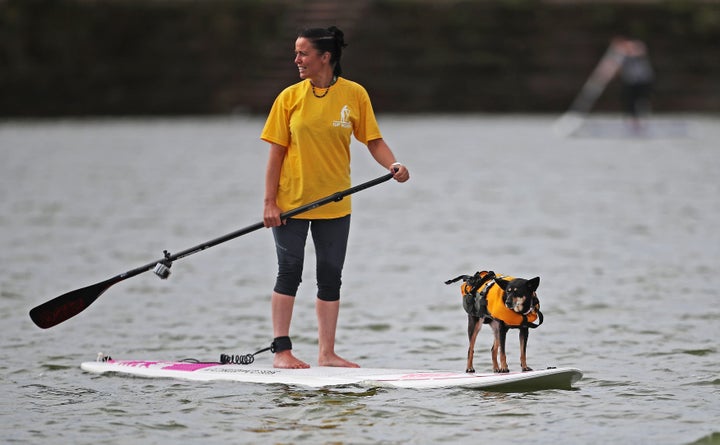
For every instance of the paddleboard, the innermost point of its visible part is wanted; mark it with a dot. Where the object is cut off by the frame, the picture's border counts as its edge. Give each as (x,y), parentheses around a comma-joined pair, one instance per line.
(319,377)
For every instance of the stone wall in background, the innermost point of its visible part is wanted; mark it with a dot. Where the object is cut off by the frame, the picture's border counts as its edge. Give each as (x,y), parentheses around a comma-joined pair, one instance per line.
(147,57)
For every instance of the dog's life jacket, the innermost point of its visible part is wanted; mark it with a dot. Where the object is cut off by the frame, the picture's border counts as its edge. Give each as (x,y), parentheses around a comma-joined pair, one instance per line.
(483,298)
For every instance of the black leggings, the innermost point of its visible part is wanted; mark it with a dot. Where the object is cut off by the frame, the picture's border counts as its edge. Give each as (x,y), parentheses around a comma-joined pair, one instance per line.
(636,98)
(330,237)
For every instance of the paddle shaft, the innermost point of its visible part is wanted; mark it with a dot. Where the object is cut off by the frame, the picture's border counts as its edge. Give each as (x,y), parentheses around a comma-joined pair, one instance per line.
(593,87)
(72,303)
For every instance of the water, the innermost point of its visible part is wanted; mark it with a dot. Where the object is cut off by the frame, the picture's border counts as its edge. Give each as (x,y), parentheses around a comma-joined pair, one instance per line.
(622,231)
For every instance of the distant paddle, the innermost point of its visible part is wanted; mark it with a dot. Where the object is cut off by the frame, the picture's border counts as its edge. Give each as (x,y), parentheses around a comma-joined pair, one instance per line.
(68,305)
(593,87)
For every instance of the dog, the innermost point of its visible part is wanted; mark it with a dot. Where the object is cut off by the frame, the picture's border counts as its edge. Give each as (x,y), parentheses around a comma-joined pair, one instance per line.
(503,302)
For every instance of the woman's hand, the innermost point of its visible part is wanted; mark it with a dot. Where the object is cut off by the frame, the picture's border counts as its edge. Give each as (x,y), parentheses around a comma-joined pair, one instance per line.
(400,172)
(271,215)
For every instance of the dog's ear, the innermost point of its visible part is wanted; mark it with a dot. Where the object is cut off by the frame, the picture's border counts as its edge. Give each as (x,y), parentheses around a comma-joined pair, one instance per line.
(502,283)
(533,284)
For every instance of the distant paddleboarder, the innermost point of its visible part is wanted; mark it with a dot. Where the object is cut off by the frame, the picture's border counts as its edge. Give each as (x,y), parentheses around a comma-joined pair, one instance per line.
(637,77)
(627,59)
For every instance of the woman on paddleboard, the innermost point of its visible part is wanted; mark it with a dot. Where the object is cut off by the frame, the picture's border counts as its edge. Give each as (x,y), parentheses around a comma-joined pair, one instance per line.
(309,129)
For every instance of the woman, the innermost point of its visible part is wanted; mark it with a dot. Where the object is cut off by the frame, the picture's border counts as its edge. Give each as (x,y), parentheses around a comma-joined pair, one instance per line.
(309,129)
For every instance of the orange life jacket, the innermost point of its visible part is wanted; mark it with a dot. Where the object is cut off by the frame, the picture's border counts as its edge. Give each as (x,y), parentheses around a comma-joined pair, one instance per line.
(495,303)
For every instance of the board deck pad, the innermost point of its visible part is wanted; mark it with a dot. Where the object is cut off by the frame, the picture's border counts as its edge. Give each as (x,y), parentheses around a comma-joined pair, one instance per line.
(321,376)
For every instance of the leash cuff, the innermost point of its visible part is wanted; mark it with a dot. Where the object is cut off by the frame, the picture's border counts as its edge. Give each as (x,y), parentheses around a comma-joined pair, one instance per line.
(280,344)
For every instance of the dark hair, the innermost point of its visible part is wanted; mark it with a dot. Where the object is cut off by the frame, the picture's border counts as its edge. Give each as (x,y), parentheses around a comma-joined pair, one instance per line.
(330,40)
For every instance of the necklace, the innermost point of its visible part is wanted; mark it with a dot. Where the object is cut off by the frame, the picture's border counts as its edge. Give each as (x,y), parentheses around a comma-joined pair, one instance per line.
(320,96)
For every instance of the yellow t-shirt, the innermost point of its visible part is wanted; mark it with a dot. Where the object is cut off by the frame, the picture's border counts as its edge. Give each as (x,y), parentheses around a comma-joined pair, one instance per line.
(316,132)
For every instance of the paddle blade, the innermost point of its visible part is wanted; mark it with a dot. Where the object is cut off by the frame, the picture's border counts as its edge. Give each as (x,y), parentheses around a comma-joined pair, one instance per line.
(68,305)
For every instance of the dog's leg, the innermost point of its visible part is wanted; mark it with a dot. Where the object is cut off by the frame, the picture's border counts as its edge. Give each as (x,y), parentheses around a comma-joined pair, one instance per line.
(498,350)
(493,353)
(474,326)
(524,334)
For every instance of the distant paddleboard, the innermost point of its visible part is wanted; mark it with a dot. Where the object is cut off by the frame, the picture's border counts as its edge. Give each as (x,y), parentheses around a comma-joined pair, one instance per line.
(621,128)
(318,377)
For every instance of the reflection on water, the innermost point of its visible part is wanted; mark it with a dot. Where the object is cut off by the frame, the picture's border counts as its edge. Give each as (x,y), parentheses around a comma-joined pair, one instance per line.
(622,232)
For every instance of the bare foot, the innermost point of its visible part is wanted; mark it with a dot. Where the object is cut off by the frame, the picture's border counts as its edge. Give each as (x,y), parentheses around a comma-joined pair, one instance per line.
(336,361)
(285,360)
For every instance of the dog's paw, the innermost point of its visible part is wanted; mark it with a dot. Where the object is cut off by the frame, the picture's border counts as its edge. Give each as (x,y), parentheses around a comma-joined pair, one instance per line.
(527,368)
(502,371)
(470,371)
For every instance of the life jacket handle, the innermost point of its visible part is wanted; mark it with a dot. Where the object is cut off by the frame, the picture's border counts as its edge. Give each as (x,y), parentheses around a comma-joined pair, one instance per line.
(531,325)
(475,281)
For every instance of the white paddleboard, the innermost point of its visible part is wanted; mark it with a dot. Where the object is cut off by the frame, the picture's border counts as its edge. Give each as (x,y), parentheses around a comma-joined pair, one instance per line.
(318,377)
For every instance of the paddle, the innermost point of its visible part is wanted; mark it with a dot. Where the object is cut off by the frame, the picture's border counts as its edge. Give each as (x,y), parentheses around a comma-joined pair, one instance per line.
(593,87)
(68,305)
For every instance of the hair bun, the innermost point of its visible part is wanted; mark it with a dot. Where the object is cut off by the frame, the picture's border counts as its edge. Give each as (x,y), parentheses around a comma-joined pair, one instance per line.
(338,35)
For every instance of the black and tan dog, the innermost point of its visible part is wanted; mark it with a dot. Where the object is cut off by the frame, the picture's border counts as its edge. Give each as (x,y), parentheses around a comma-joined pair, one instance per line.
(503,302)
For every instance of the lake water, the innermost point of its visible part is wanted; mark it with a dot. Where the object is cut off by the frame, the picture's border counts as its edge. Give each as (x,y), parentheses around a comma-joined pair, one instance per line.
(623,232)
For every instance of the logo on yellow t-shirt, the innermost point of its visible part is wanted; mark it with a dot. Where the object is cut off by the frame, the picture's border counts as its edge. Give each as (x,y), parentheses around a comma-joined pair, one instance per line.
(344,115)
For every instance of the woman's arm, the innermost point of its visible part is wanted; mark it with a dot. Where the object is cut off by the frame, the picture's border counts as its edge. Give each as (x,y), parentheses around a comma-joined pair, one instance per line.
(380,150)
(271,212)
